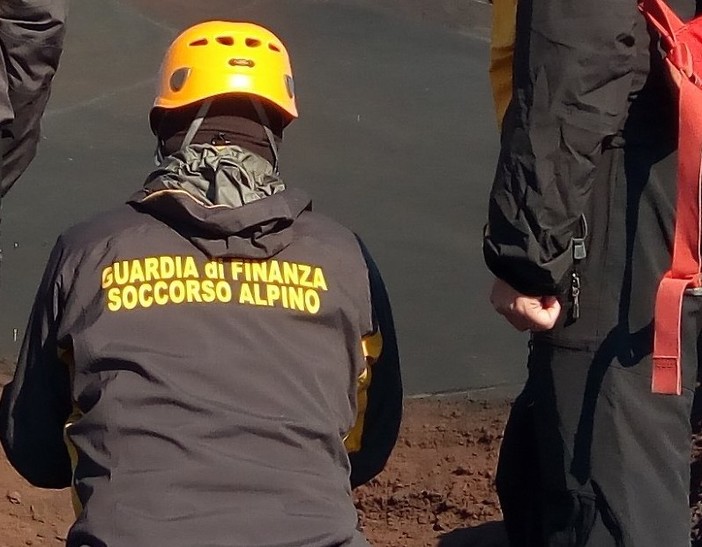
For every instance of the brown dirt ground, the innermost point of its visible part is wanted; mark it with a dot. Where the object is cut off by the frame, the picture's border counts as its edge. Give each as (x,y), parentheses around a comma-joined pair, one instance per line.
(437,489)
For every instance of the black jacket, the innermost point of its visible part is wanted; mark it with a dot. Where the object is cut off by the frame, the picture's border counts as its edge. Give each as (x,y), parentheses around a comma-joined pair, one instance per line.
(587,76)
(203,361)
(31,38)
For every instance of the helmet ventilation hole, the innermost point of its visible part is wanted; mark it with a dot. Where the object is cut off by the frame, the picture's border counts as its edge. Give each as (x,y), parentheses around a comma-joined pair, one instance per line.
(225,40)
(241,62)
(273,47)
(178,79)
(201,42)
(253,42)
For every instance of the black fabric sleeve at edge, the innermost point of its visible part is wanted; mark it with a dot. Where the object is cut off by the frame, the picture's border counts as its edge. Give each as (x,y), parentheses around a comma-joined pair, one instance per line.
(384,410)
(35,406)
(32,34)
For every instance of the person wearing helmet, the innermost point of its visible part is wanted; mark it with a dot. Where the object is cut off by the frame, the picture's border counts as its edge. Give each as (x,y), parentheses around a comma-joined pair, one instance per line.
(219,359)
(31,38)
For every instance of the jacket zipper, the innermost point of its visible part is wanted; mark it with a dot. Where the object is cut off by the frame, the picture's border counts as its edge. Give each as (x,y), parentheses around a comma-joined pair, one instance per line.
(575,295)
(579,254)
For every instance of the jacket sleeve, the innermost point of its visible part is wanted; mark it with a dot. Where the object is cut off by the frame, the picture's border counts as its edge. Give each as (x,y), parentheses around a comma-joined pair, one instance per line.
(35,406)
(373,437)
(573,72)
(31,36)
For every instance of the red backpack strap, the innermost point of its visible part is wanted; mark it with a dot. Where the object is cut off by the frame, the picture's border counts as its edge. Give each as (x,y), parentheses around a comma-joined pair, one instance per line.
(663,19)
(678,40)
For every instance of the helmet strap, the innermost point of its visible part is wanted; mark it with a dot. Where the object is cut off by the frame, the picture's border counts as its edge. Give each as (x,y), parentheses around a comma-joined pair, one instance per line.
(265,122)
(189,136)
(158,154)
(200,117)
(196,123)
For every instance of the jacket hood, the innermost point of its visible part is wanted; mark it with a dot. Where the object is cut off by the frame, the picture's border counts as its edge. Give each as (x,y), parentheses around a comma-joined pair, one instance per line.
(227,201)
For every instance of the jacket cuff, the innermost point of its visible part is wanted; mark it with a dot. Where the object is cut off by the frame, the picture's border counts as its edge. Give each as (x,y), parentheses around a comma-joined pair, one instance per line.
(530,279)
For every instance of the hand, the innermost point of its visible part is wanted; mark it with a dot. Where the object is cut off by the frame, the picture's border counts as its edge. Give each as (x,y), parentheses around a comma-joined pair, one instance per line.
(534,313)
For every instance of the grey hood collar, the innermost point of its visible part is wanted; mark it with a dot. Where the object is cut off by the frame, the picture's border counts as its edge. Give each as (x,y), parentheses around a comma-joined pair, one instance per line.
(227,201)
(227,175)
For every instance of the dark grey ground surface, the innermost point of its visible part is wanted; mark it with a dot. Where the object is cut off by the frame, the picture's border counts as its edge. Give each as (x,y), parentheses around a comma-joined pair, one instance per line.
(396,139)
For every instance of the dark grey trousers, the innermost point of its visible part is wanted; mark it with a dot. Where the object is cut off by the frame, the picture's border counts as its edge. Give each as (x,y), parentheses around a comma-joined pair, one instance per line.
(592,458)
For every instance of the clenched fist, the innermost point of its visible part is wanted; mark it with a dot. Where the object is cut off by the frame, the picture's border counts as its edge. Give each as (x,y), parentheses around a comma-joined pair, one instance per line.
(534,313)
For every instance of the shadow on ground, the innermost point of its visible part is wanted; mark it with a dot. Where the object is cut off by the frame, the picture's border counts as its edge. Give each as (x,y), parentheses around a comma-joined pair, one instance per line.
(490,534)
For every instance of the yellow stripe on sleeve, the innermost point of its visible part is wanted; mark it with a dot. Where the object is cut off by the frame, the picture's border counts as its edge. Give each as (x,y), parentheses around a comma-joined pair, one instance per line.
(372,348)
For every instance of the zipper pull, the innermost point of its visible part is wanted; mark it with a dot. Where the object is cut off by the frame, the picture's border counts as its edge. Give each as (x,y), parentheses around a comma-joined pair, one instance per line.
(575,295)
(579,248)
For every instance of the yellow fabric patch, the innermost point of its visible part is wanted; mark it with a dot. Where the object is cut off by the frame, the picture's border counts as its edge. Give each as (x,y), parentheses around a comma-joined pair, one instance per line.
(372,348)
(504,22)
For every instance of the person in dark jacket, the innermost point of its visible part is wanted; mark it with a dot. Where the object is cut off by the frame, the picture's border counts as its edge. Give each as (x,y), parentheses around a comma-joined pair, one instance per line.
(219,359)
(579,234)
(31,39)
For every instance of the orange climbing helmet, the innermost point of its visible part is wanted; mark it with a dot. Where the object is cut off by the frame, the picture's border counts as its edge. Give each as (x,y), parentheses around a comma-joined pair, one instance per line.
(222,57)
